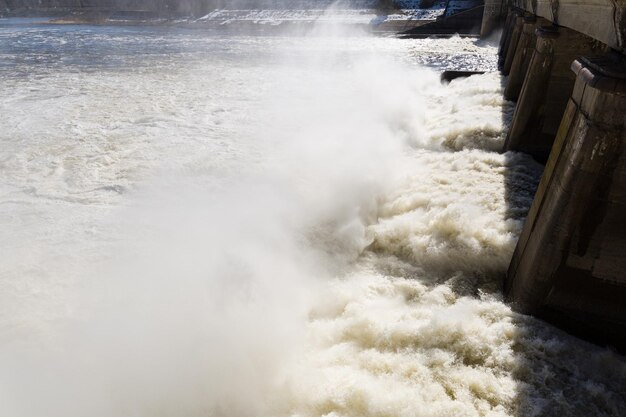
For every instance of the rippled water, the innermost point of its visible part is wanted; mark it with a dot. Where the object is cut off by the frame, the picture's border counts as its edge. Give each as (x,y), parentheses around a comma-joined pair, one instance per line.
(196,224)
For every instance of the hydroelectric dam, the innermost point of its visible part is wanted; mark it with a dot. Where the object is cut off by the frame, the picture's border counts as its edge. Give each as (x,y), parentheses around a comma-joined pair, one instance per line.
(286,208)
(566,71)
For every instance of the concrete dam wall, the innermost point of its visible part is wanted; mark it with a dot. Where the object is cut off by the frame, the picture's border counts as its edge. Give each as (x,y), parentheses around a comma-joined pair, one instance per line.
(566,71)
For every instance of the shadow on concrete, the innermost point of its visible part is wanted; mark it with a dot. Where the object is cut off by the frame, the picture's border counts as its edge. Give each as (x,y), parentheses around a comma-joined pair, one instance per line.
(556,373)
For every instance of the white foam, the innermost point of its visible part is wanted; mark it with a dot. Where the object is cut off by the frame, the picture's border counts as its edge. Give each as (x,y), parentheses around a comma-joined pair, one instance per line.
(240,226)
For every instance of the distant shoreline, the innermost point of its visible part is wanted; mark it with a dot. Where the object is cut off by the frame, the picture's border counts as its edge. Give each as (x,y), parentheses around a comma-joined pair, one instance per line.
(368,20)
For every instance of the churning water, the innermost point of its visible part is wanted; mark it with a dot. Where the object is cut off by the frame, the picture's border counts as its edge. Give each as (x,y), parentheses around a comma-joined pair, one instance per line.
(199,224)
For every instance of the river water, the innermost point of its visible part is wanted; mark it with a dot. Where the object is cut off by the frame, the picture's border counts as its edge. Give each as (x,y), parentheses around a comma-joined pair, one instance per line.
(201,224)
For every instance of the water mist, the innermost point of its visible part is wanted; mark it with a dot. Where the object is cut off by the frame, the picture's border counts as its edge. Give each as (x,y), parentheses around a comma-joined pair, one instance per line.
(266,226)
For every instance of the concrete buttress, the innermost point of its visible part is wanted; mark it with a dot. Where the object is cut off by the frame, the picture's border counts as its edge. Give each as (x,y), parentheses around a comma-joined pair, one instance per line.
(569,263)
(546,89)
(506,36)
(492,15)
(521,60)
(513,43)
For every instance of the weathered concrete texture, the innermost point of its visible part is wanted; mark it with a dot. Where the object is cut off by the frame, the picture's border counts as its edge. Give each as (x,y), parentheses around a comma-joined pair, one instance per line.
(569,264)
(506,29)
(546,89)
(493,15)
(505,40)
(603,20)
(518,25)
(522,56)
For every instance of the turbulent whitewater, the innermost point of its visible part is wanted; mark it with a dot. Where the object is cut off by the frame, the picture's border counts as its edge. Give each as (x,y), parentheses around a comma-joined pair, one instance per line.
(200,224)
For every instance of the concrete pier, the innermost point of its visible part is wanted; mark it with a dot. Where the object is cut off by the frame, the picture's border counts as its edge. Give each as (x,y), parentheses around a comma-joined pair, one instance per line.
(516,32)
(569,265)
(546,89)
(506,36)
(506,29)
(523,54)
(494,12)
(567,72)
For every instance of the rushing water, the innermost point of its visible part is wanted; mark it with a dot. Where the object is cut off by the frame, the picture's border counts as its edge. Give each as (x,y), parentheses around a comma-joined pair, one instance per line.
(196,224)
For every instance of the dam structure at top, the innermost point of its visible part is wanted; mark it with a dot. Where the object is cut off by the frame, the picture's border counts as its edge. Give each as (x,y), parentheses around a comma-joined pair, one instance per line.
(566,67)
